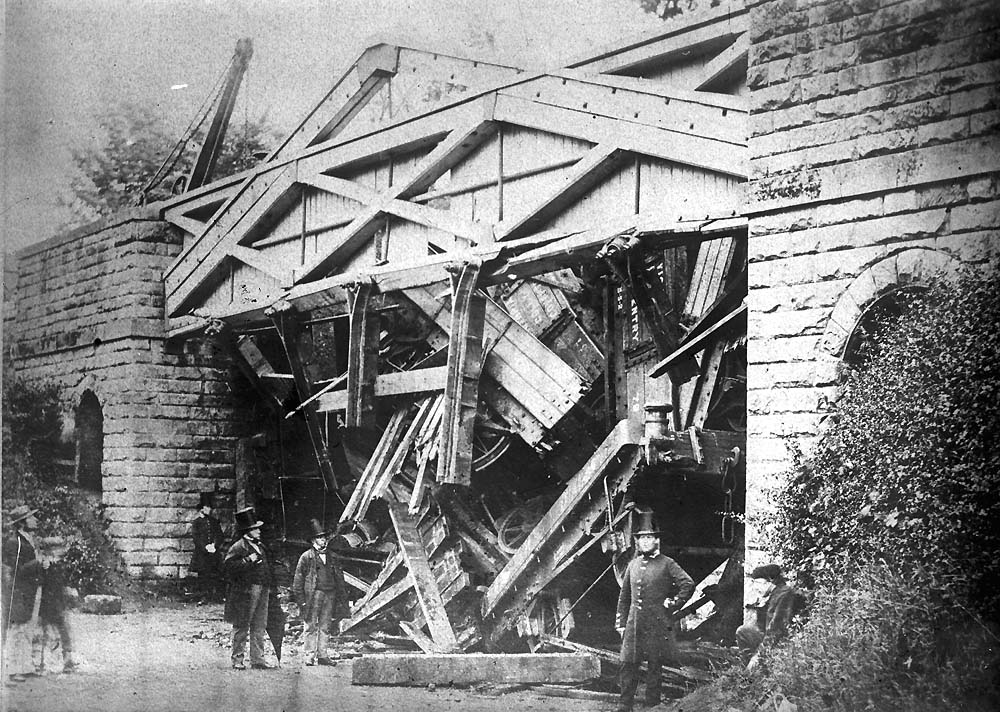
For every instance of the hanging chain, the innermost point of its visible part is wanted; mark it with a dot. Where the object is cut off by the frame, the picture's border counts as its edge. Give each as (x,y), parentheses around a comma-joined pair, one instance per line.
(728,486)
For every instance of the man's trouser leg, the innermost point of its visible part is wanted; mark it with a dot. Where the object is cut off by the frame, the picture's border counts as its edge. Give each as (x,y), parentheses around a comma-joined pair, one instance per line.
(258,627)
(326,609)
(628,681)
(654,670)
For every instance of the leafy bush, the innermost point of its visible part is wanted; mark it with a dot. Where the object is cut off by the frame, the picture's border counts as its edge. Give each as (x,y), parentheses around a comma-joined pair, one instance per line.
(31,427)
(881,641)
(909,471)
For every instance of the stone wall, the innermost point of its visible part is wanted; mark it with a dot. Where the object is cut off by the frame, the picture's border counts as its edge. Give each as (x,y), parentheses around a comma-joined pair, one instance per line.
(874,162)
(86,312)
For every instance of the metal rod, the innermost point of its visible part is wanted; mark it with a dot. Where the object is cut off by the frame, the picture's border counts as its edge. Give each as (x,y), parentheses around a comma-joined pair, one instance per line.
(575,603)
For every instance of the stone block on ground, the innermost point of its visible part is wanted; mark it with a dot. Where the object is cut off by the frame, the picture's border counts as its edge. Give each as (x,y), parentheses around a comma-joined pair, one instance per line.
(473,668)
(102,605)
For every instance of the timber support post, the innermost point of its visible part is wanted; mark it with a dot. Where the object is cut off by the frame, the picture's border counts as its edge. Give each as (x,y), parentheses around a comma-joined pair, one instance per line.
(287,323)
(362,356)
(465,364)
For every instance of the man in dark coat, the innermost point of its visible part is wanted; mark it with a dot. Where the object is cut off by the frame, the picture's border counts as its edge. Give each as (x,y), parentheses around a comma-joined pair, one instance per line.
(250,583)
(653,589)
(25,569)
(206,560)
(318,587)
(775,616)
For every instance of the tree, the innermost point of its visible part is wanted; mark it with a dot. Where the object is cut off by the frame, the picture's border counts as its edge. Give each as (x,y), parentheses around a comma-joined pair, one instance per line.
(131,149)
(908,472)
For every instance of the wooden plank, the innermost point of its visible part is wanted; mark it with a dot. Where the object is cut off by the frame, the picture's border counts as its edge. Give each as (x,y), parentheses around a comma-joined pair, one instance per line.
(576,489)
(262,263)
(379,602)
(723,62)
(698,343)
(568,120)
(424,583)
(189,225)
(357,505)
(471,668)
(402,449)
(575,694)
(362,357)
(697,410)
(461,391)
(587,171)
(683,36)
(458,144)
(433,218)
(352,580)
(387,385)
(710,271)
(388,569)
(423,641)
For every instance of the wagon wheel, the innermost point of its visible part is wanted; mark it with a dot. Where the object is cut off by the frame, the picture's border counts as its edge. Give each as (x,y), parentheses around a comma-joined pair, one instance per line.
(514,526)
(488,446)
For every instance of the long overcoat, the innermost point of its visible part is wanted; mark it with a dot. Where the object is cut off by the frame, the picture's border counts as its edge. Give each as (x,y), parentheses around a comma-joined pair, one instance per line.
(242,574)
(304,582)
(205,531)
(649,627)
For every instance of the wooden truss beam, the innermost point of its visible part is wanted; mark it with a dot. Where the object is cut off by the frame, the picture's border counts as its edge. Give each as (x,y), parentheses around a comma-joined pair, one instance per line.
(250,362)
(722,64)
(414,212)
(471,668)
(261,263)
(424,583)
(585,173)
(465,363)
(287,324)
(362,357)
(691,35)
(458,144)
(568,119)
(698,343)
(352,92)
(387,385)
(495,600)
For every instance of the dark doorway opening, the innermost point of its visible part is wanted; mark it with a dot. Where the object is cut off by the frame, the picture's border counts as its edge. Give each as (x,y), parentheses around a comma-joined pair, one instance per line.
(89,442)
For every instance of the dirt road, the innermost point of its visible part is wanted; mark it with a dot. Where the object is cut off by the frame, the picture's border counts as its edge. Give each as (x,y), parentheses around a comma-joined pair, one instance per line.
(174,660)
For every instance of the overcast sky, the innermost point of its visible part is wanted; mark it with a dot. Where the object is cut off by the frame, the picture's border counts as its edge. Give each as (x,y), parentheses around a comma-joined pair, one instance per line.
(64,59)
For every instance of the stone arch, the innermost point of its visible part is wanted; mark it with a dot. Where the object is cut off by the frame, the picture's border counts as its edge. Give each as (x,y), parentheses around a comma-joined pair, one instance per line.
(908,268)
(89,441)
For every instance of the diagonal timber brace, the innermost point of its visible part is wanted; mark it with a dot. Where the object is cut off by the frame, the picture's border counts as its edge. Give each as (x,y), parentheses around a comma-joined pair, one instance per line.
(286,322)
(362,357)
(465,364)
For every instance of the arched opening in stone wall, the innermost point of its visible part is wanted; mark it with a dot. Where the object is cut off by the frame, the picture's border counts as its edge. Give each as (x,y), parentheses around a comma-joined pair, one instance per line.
(89,437)
(874,320)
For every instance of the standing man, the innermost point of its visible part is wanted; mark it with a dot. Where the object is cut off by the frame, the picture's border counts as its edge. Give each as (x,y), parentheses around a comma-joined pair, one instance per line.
(318,587)
(250,583)
(26,568)
(206,561)
(654,588)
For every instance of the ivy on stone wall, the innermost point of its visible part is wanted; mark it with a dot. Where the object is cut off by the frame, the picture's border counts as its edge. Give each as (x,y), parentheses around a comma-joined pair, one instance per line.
(909,472)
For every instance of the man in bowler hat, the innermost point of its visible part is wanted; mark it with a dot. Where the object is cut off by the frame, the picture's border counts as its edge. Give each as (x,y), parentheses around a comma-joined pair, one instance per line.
(775,616)
(318,587)
(206,560)
(654,588)
(250,582)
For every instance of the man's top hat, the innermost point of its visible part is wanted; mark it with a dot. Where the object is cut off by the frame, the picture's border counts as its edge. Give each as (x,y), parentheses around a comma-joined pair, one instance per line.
(317,530)
(246,519)
(646,524)
(20,513)
(205,499)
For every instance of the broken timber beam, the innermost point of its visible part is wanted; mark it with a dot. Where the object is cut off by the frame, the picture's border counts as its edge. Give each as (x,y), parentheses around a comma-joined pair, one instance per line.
(362,357)
(467,669)
(465,363)
(424,583)
(418,380)
(286,322)
(525,574)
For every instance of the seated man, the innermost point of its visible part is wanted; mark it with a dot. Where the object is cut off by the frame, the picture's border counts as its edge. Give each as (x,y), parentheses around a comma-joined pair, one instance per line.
(773,618)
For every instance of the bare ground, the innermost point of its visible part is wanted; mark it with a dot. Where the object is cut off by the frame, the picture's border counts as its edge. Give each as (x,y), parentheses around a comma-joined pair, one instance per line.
(171,659)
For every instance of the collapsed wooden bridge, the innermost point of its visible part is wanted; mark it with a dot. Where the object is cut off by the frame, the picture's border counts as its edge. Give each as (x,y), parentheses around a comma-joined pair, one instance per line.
(482,325)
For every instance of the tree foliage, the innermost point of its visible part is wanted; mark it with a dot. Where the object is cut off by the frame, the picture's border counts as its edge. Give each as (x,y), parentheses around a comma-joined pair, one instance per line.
(133,144)
(909,472)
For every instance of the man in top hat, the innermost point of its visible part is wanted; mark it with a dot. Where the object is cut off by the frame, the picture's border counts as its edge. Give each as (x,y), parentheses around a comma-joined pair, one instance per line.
(653,589)
(28,565)
(250,582)
(775,615)
(318,587)
(206,560)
